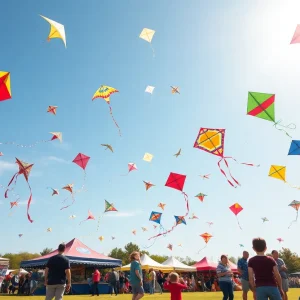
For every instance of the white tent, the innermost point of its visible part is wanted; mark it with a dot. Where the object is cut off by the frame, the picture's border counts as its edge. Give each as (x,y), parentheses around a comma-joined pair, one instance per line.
(148,263)
(178,266)
(4,261)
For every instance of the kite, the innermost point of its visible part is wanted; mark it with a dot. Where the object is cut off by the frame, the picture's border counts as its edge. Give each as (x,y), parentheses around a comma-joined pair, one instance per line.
(179,245)
(162,205)
(294,148)
(178,153)
(262,105)
(104,92)
(206,237)
(69,188)
(205,176)
(1,154)
(175,90)
(170,247)
(52,109)
(5,90)
(24,169)
(278,172)
(131,167)
(108,147)
(280,240)
(12,204)
(155,217)
(147,35)
(241,245)
(20,235)
(134,232)
(57,30)
(144,229)
(101,238)
(212,141)
(296,37)
(236,209)
(148,157)
(49,229)
(210,223)
(264,219)
(193,217)
(149,89)
(72,217)
(180,220)
(200,196)
(81,160)
(109,207)
(112,237)
(148,185)
(154,226)
(90,217)
(296,205)
(54,192)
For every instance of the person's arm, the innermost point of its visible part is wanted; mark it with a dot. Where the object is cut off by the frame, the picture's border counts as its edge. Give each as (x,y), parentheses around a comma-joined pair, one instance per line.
(68,274)
(251,278)
(277,277)
(46,275)
(166,285)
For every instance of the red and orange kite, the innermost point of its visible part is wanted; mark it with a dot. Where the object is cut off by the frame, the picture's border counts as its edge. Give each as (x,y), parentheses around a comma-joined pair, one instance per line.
(5,91)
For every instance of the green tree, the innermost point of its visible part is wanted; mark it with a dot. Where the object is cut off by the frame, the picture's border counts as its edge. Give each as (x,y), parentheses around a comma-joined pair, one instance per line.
(159,258)
(129,248)
(119,254)
(15,259)
(187,261)
(291,259)
(232,259)
(46,251)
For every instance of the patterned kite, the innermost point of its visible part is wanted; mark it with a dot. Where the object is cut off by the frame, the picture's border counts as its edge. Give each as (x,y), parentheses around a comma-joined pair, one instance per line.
(104,92)
(147,35)
(170,247)
(148,185)
(262,105)
(90,217)
(175,90)
(149,89)
(5,90)
(148,157)
(296,205)
(57,30)
(178,153)
(294,148)
(200,196)
(212,141)
(206,237)
(109,207)
(155,217)
(236,209)
(107,146)
(52,109)
(180,220)
(296,37)
(24,169)
(162,205)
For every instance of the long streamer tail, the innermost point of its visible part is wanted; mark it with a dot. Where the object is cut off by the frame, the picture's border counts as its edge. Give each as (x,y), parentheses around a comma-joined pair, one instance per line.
(110,111)
(290,126)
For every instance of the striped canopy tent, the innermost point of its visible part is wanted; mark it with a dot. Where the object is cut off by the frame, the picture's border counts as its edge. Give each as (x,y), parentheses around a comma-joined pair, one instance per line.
(148,263)
(78,254)
(178,266)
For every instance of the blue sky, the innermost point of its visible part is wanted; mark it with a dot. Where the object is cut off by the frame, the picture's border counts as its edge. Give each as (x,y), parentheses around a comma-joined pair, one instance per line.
(215,52)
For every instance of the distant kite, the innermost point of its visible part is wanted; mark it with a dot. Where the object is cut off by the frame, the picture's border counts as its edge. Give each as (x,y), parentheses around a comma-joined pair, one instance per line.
(296,205)
(148,185)
(5,90)
(264,219)
(90,217)
(149,89)
(206,237)
(236,209)
(178,153)
(52,109)
(107,146)
(170,247)
(162,205)
(175,90)
(147,35)
(200,196)
(148,157)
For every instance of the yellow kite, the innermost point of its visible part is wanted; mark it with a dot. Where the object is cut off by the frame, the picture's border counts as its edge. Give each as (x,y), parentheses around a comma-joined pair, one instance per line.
(278,172)
(57,30)
(148,157)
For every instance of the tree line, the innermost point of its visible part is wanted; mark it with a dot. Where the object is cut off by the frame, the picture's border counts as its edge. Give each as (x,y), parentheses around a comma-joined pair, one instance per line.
(291,259)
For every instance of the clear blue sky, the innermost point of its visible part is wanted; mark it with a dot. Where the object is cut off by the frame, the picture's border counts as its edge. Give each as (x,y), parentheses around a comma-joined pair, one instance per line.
(215,52)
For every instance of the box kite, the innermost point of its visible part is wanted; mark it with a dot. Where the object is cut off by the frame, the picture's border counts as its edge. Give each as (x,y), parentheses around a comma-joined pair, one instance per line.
(104,92)
(24,169)
(262,105)
(57,30)
(296,205)
(212,141)
(5,90)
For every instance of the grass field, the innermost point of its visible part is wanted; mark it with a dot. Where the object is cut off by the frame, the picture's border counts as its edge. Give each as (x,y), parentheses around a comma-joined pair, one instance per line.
(293,294)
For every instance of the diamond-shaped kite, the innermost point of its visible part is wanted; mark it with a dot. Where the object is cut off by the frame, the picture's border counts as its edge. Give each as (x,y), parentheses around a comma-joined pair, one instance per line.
(5,90)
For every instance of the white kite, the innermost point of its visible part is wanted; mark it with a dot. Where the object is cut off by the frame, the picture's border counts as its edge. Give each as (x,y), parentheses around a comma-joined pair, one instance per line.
(149,89)
(147,35)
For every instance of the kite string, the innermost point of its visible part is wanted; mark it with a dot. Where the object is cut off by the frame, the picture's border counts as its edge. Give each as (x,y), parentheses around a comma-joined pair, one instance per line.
(294,220)
(238,222)
(202,248)
(25,146)
(112,116)
(290,126)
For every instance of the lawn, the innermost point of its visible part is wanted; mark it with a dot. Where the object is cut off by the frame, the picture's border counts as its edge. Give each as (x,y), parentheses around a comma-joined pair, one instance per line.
(293,294)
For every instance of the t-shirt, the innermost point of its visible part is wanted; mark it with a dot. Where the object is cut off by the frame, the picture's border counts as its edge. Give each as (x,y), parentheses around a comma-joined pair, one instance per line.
(243,265)
(263,270)
(175,289)
(57,265)
(152,276)
(281,263)
(34,276)
(223,269)
(135,265)
(96,276)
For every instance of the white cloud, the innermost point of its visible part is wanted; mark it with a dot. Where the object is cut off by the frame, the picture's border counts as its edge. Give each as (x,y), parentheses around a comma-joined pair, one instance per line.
(123,214)
(7,166)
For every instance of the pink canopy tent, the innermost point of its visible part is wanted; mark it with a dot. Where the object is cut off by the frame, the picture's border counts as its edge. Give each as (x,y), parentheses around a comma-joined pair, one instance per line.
(205,265)
(233,267)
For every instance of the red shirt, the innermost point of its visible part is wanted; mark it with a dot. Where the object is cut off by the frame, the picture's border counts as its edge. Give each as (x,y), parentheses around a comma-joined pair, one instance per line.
(263,270)
(175,289)
(96,276)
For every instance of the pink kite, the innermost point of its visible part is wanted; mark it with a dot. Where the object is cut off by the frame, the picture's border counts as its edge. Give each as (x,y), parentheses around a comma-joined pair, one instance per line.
(131,167)
(296,37)
(90,217)
(81,160)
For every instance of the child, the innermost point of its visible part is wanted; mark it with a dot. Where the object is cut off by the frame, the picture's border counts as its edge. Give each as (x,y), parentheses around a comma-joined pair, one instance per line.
(264,269)
(173,285)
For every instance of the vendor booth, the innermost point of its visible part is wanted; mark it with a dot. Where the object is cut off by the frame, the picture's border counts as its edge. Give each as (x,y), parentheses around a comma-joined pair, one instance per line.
(82,260)
(205,265)
(177,265)
(4,264)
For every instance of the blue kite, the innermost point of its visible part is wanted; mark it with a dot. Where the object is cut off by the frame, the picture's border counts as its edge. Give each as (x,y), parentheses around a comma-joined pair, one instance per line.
(294,148)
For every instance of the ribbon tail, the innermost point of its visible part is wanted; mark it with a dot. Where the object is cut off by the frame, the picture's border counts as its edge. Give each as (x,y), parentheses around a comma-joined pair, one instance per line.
(223,172)
(28,206)
(226,163)
(112,116)
(186,199)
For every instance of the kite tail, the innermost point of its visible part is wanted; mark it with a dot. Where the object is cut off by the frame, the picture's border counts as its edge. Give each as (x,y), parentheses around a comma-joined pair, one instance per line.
(98,224)
(202,249)
(290,126)
(28,203)
(14,178)
(73,200)
(110,111)
(83,221)
(238,222)
(186,199)
(223,172)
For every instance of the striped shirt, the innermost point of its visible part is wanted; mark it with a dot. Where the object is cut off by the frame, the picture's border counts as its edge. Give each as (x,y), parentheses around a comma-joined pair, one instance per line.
(222,269)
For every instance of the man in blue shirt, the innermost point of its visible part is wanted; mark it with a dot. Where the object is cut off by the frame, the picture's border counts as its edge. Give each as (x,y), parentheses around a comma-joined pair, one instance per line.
(282,271)
(243,270)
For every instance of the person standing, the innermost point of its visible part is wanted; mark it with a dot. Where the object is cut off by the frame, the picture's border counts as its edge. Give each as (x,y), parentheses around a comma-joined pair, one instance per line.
(34,281)
(263,272)
(175,286)
(243,270)
(224,274)
(113,280)
(136,276)
(57,272)
(152,280)
(96,279)
(282,271)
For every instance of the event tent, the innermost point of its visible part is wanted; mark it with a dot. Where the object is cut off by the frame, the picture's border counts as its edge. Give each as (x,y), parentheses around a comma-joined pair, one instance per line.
(177,265)
(233,267)
(148,263)
(4,261)
(205,265)
(78,254)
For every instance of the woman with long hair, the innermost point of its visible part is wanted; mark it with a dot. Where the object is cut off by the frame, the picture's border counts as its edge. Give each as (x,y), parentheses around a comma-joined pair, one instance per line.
(136,276)
(224,274)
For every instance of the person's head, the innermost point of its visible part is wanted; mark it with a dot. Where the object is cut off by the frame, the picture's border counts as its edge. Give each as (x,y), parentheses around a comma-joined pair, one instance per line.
(224,259)
(150,270)
(61,248)
(174,277)
(245,254)
(112,269)
(259,245)
(275,254)
(95,269)
(134,256)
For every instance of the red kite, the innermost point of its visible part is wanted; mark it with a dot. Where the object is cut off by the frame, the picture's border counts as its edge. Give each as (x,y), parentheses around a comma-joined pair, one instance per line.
(236,209)
(5,92)
(52,109)
(90,217)
(81,160)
